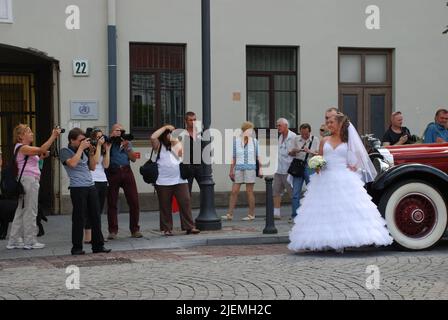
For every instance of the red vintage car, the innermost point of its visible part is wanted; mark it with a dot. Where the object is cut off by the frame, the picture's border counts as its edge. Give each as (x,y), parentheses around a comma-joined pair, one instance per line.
(411,191)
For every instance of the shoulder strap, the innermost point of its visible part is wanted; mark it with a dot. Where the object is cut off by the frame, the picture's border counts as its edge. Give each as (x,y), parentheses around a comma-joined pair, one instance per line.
(158,152)
(24,164)
(309,146)
(256,149)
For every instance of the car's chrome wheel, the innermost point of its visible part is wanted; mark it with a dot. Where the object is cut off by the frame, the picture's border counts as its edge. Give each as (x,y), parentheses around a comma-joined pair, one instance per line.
(416,214)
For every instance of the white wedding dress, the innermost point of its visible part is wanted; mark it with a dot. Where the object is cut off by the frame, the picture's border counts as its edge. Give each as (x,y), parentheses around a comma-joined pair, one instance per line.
(337,212)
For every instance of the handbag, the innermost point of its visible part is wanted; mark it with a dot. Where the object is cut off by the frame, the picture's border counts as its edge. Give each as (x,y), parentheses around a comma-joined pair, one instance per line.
(186,171)
(150,170)
(257,163)
(297,167)
(12,187)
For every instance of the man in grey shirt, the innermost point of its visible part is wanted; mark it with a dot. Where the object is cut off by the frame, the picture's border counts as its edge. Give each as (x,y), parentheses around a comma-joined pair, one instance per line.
(83,193)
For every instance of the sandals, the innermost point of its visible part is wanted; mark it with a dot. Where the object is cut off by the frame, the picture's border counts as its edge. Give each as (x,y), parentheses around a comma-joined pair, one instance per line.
(248,218)
(227,217)
(193,231)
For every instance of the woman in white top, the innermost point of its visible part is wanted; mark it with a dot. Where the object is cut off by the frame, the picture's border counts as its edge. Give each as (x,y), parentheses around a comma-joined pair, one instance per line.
(170,183)
(243,170)
(102,160)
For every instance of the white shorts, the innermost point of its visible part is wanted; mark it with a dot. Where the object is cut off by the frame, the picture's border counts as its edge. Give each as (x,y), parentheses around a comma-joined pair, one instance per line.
(245,176)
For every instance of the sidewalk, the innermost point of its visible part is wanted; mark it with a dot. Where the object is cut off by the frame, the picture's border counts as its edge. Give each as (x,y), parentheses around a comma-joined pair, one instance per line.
(58,234)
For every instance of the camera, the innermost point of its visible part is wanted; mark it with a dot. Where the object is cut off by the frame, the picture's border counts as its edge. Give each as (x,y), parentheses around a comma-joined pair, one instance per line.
(91,132)
(123,137)
(59,127)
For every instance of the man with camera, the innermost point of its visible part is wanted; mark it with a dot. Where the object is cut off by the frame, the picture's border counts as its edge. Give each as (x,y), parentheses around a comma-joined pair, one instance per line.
(119,175)
(305,146)
(83,193)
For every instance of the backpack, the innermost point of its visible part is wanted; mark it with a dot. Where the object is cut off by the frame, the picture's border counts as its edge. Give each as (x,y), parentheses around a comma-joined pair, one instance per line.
(10,186)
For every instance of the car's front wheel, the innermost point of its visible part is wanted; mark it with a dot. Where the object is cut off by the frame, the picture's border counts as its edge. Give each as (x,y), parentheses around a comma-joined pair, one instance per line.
(416,214)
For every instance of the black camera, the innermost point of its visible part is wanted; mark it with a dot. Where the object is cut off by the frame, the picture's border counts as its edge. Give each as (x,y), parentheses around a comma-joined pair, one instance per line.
(91,133)
(123,137)
(59,127)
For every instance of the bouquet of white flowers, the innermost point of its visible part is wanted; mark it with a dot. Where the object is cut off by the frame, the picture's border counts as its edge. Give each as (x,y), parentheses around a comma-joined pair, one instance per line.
(317,163)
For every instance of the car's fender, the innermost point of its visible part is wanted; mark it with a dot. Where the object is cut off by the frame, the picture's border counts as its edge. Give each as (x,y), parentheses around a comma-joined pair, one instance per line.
(411,171)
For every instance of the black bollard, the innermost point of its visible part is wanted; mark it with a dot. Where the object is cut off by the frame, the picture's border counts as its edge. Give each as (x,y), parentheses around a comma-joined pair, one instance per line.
(270,225)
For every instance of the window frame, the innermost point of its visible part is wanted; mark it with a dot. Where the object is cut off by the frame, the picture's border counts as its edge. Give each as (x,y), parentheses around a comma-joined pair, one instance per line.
(366,89)
(363,53)
(271,90)
(10,18)
(143,134)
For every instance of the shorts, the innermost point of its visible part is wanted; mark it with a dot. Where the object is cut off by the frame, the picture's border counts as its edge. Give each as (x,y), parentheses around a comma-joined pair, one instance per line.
(245,176)
(280,184)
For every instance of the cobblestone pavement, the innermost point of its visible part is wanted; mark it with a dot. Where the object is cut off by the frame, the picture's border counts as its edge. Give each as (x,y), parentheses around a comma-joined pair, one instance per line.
(231,272)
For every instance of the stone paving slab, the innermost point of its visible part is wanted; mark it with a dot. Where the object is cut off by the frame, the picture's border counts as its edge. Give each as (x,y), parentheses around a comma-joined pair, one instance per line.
(58,234)
(253,273)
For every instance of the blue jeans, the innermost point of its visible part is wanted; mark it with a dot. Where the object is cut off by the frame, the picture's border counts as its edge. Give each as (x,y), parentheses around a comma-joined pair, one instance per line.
(297,189)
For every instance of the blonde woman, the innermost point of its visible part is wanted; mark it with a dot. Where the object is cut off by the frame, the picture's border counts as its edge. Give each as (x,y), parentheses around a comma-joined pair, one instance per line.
(243,170)
(24,229)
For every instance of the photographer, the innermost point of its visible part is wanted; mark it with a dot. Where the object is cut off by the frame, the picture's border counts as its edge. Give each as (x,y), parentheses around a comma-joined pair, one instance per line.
(24,228)
(119,175)
(396,134)
(83,193)
(101,150)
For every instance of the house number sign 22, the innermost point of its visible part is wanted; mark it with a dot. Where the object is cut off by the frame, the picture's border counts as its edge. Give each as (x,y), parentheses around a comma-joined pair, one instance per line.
(80,68)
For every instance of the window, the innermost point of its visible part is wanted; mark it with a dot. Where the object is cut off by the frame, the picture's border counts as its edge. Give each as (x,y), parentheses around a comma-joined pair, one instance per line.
(6,11)
(271,86)
(157,86)
(365,88)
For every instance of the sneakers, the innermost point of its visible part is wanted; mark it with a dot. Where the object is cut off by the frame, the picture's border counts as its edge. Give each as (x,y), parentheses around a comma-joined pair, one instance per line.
(35,245)
(277,217)
(15,246)
(137,234)
(193,231)
(112,236)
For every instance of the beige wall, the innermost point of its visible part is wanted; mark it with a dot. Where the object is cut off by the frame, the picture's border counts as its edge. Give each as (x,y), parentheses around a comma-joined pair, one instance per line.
(412,27)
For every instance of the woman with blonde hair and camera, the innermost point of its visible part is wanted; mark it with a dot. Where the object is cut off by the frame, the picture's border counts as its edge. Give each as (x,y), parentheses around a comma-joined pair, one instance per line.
(24,228)
(243,169)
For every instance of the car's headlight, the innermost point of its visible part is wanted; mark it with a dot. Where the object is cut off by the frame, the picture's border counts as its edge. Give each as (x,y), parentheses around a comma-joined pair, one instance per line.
(388,157)
(381,165)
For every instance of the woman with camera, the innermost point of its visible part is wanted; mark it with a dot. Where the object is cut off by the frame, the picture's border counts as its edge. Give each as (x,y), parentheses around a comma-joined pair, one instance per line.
(101,154)
(24,229)
(170,183)
(397,134)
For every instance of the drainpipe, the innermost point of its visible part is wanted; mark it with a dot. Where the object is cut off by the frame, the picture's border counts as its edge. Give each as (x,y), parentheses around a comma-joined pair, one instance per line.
(112,60)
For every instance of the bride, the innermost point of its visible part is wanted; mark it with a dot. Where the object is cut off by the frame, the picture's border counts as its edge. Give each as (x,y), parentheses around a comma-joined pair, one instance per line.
(337,211)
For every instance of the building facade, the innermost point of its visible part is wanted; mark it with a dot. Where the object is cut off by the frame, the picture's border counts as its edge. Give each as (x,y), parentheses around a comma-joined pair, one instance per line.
(269,59)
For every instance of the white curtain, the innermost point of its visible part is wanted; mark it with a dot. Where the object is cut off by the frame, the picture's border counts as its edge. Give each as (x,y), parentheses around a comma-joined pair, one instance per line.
(4,9)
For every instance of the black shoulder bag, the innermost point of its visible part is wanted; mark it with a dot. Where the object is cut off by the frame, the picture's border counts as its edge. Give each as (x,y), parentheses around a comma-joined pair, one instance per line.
(257,163)
(150,170)
(12,188)
(298,167)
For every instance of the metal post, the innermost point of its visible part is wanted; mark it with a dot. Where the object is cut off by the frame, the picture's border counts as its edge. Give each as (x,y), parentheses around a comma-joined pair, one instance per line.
(207,219)
(112,61)
(270,225)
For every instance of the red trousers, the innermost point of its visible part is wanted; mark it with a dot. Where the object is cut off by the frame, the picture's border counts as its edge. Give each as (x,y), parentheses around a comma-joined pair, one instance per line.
(122,178)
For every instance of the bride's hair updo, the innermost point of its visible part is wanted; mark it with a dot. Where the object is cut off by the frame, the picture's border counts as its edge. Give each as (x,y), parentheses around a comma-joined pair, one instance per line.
(342,118)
